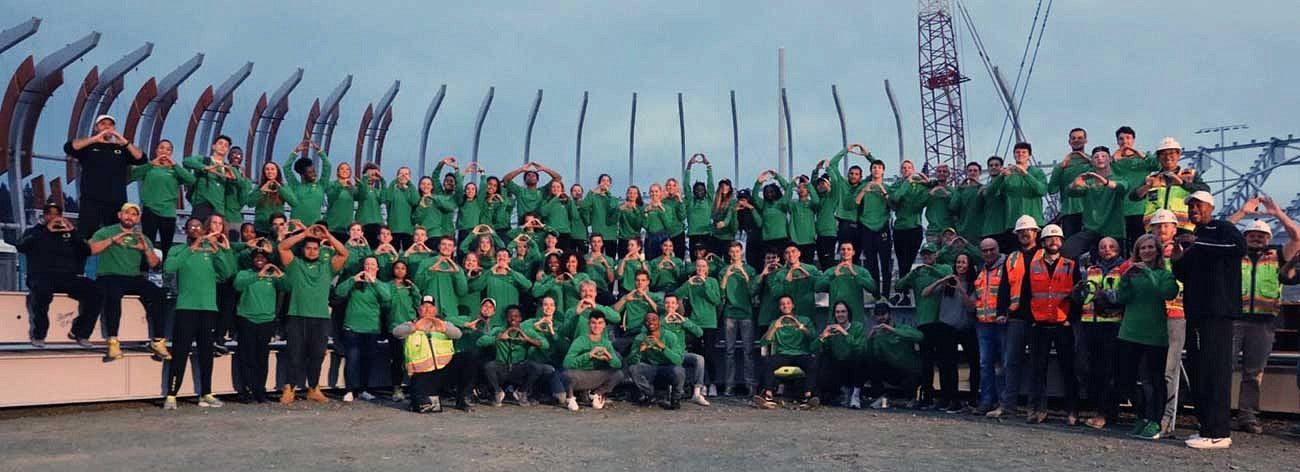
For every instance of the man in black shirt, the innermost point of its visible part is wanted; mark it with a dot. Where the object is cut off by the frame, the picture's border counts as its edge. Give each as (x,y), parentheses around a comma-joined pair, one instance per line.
(55,257)
(105,158)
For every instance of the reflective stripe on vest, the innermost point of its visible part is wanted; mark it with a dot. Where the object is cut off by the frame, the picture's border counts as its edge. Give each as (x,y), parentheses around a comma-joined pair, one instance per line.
(1261,293)
(1050,302)
(1109,282)
(427,351)
(986,295)
(1015,269)
(1172,198)
(1173,308)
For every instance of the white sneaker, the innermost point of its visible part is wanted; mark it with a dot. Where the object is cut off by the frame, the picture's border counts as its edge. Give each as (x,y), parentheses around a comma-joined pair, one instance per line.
(347,397)
(880,403)
(855,402)
(398,395)
(367,396)
(169,403)
(210,401)
(597,401)
(713,390)
(498,398)
(698,397)
(1209,443)
(572,404)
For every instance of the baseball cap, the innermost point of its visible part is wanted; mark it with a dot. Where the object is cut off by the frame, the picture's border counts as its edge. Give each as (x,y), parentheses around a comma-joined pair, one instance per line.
(929,247)
(105,117)
(427,299)
(129,206)
(1200,195)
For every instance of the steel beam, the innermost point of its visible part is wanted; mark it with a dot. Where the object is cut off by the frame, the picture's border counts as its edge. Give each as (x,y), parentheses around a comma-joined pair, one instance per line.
(631,143)
(577,157)
(478,123)
(377,126)
(366,118)
(681,130)
(429,115)
(528,133)
(155,112)
(204,122)
(267,121)
(898,122)
(97,96)
(19,32)
(839,111)
(789,148)
(735,142)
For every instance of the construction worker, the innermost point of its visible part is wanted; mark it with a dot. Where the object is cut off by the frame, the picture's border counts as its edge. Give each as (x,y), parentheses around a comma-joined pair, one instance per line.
(1164,225)
(1049,281)
(1099,318)
(1263,271)
(431,358)
(990,329)
(1168,185)
(1011,292)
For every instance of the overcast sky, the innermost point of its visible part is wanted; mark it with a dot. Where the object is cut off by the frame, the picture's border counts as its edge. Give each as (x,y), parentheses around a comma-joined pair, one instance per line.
(1165,67)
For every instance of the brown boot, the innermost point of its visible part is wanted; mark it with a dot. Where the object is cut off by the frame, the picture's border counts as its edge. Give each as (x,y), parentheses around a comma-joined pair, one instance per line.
(315,395)
(286,395)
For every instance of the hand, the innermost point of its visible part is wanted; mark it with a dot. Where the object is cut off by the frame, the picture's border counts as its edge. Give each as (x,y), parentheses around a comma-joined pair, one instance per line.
(860,150)
(219,239)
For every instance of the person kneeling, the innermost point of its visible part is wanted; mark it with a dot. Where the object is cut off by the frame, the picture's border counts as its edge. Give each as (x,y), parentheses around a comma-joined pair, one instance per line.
(656,358)
(591,364)
(891,357)
(514,345)
(431,357)
(789,342)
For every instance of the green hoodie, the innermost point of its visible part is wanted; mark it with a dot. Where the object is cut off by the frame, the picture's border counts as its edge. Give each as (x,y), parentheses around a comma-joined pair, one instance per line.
(846,285)
(773,214)
(305,199)
(842,192)
(578,357)
(342,205)
(600,210)
(1061,179)
(514,349)
(699,211)
(400,203)
(844,347)
(1024,194)
(789,340)
(209,187)
(368,205)
(365,301)
(257,296)
(197,275)
(160,187)
(671,354)
(896,349)
(927,308)
(803,214)
(503,288)
(909,198)
(737,291)
(704,298)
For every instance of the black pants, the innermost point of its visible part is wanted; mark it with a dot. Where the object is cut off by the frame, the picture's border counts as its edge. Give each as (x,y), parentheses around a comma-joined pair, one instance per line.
(720,246)
(1095,356)
(371,231)
(114,287)
(703,241)
(401,241)
(1042,338)
(361,350)
(906,244)
(523,375)
(877,257)
(825,252)
(1209,347)
(806,362)
(939,349)
(1081,242)
(708,348)
(850,232)
(611,248)
(460,373)
(840,373)
(679,245)
(1071,224)
(159,230)
(879,373)
(1149,362)
(254,350)
(970,354)
(306,339)
(41,289)
(396,361)
(202,211)
(1133,227)
(227,300)
(95,214)
(190,327)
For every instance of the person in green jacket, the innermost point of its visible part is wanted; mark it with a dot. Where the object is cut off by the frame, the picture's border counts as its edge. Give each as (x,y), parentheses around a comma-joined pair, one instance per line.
(471,208)
(938,205)
(846,282)
(341,195)
(940,345)
(656,359)
(803,204)
(699,204)
(737,282)
(573,323)
(1074,164)
(404,308)
(556,211)
(601,212)
(839,347)
(848,209)
(633,261)
(591,364)
(876,244)
(399,199)
(305,190)
(673,321)
(236,190)
(773,210)
(965,205)
(994,205)
(203,261)
(790,343)
(704,296)
(631,218)
(600,266)
(1132,166)
(499,208)
(674,218)
(656,217)
(307,325)
(369,213)
(528,198)
(908,196)
(267,198)
(638,301)
(122,250)
(1143,336)
(796,279)
(160,183)
(443,278)
(549,324)
(212,175)
(367,295)
(1024,187)
(889,356)
(579,220)
(259,288)
(512,346)
(1101,195)
(667,270)
(501,282)
(723,217)
(826,225)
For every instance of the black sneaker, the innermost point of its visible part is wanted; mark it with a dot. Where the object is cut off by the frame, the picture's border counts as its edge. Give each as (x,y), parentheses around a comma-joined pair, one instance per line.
(462,404)
(809,403)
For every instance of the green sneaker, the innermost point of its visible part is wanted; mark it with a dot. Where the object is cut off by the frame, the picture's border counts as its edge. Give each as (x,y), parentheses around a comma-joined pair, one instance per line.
(1138,425)
(1150,432)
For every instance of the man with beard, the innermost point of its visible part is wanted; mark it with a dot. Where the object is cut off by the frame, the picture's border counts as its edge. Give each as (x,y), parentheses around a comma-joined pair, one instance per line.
(55,262)
(121,248)
(107,156)
(205,260)
(307,326)
(1047,286)
(1013,305)
(656,359)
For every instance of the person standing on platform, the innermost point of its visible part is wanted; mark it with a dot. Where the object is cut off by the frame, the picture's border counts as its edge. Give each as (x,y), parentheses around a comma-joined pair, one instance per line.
(107,156)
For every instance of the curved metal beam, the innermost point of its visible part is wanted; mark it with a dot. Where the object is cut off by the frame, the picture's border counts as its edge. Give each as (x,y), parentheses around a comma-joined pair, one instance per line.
(844,131)
(377,124)
(361,136)
(898,120)
(213,112)
(681,131)
(528,133)
(429,115)
(19,32)
(577,157)
(789,147)
(631,143)
(80,103)
(735,140)
(383,133)
(155,113)
(322,127)
(478,123)
(267,124)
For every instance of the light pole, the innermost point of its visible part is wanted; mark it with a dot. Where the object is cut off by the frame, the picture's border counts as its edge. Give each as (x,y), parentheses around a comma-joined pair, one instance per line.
(1223,159)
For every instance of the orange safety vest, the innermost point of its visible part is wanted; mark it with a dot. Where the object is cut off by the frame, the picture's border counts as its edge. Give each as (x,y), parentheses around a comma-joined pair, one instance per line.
(1173,308)
(1050,301)
(986,294)
(1015,270)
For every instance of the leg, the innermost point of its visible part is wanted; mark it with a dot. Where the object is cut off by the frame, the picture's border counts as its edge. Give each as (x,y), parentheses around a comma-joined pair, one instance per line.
(1213,378)
(825,252)
(694,366)
(246,356)
(317,337)
(113,288)
(183,335)
(906,244)
(153,299)
(991,337)
(1256,341)
(1173,371)
(947,363)
(1153,364)
(1063,340)
(642,375)
(731,329)
(1013,359)
(679,246)
(296,341)
(207,322)
(709,357)
(40,294)
(262,341)
(1039,347)
(352,361)
(747,351)
(493,373)
(678,375)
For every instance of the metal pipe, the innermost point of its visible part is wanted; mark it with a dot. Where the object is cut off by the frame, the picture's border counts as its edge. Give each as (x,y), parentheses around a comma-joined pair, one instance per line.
(898,120)
(735,140)
(434,106)
(577,158)
(681,129)
(631,142)
(1005,93)
(844,133)
(478,124)
(789,137)
(528,135)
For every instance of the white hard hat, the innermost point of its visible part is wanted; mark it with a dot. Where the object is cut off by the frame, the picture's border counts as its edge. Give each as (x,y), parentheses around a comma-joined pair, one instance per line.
(1163,216)
(1200,195)
(1050,231)
(1025,222)
(1169,143)
(1259,225)
(105,117)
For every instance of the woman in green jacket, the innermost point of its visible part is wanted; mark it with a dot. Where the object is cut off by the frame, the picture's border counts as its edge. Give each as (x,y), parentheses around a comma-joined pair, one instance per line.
(471,209)
(341,194)
(1143,335)
(402,309)
(704,297)
(366,295)
(631,218)
(556,211)
(433,210)
(803,205)
(601,212)
(267,199)
(498,207)
(368,213)
(699,205)
(722,216)
(674,225)
(160,183)
(400,198)
(840,347)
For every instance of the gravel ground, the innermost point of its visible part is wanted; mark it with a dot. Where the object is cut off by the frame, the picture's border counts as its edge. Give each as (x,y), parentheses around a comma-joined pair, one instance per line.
(728,436)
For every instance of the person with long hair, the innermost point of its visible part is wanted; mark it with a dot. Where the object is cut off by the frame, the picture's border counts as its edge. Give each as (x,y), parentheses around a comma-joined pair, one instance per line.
(203,261)
(600,209)
(556,210)
(599,266)
(342,194)
(839,347)
(657,216)
(436,207)
(370,191)
(574,274)
(471,209)
(667,270)
(499,207)
(722,216)
(674,218)
(160,182)
(1143,289)
(403,308)
(956,303)
(400,198)
(259,287)
(268,198)
(631,218)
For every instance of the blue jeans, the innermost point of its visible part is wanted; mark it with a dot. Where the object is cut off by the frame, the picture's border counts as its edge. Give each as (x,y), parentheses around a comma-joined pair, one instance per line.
(1013,362)
(991,338)
(360,350)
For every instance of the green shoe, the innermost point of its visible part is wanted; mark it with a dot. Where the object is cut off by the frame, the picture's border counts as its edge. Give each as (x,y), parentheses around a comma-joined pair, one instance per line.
(1138,425)
(1150,432)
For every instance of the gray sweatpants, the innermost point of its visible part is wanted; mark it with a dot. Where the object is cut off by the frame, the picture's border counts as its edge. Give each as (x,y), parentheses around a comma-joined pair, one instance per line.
(1254,340)
(1173,370)
(598,381)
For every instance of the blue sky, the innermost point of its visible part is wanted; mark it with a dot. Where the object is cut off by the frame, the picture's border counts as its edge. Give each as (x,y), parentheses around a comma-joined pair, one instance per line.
(1163,67)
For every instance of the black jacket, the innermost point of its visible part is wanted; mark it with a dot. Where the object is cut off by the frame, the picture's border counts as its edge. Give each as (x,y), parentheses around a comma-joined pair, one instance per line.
(1210,271)
(61,253)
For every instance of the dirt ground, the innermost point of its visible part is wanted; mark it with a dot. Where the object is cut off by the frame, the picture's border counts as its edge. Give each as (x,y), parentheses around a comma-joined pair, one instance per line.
(728,436)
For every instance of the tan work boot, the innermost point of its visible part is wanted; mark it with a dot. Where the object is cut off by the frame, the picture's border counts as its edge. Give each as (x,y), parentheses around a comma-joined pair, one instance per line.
(114,350)
(159,349)
(286,395)
(317,396)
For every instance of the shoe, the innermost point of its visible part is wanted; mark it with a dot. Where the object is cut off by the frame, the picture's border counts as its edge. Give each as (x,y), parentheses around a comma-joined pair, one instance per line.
(114,350)
(954,408)
(844,397)
(435,404)
(158,348)
(1072,420)
(219,349)
(498,398)
(698,397)
(597,401)
(896,299)
(1036,417)
(286,395)
(1150,432)
(571,403)
(38,343)
(673,400)
(244,397)
(730,391)
(995,413)
(521,398)
(881,403)
(1294,431)
(317,396)
(169,403)
(764,401)
(1209,443)
(855,402)
(210,401)
(260,397)
(713,390)
(366,396)
(398,395)
(422,408)
(462,404)
(347,397)
(809,403)
(83,342)
(1097,422)
(1138,425)
(981,410)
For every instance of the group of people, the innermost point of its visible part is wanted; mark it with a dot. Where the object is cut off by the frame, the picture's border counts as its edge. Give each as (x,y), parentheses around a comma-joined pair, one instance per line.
(545,293)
